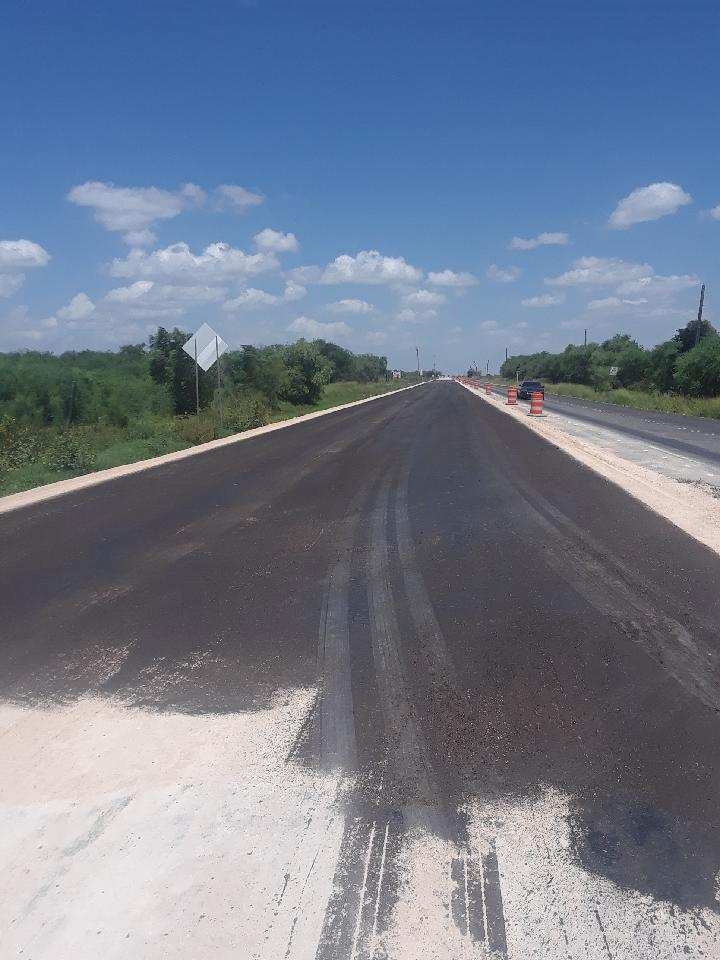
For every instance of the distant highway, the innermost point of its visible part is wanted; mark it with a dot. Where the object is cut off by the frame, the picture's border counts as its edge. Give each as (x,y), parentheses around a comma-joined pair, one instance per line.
(509,675)
(695,436)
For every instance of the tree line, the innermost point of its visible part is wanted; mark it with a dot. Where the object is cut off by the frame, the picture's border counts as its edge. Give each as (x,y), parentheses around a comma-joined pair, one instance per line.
(118,387)
(688,363)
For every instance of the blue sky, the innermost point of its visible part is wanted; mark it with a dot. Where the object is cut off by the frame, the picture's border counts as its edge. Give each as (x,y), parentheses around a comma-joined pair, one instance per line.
(412,140)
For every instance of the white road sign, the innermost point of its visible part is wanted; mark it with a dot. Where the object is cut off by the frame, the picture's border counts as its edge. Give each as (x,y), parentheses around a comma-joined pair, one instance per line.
(208,344)
(613,371)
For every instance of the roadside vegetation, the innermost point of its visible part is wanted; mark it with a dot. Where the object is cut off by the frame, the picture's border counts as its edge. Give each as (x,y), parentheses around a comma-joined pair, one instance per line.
(64,415)
(681,375)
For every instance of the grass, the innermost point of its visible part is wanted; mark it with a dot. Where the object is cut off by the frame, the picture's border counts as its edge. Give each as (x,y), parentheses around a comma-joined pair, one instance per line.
(335,394)
(154,436)
(642,399)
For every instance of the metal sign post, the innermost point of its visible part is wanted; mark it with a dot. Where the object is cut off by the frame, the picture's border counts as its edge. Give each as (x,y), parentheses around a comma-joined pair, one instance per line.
(206,347)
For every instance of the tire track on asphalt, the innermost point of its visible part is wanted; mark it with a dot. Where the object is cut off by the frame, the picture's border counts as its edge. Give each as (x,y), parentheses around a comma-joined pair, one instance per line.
(406,798)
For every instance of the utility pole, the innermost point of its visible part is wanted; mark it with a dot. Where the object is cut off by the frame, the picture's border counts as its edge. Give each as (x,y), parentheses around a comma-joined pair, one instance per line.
(417,351)
(487,368)
(505,353)
(699,316)
(586,337)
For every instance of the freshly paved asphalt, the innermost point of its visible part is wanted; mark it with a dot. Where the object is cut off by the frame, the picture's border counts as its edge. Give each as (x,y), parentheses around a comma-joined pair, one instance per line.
(697,437)
(492,618)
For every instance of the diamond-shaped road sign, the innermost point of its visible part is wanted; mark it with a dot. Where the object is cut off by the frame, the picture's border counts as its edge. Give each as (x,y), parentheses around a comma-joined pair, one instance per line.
(205,346)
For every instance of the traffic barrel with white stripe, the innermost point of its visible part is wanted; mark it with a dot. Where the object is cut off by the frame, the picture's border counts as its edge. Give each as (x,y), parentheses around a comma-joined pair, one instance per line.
(511,396)
(536,404)
(488,388)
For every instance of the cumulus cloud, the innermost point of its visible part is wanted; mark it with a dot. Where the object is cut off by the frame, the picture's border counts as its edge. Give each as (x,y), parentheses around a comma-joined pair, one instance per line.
(139,238)
(237,198)
(351,306)
(715,212)
(658,286)
(370,266)
(15,256)
(424,298)
(503,275)
(542,240)
(544,300)
(10,283)
(409,315)
(448,278)
(278,242)
(218,263)
(80,308)
(490,326)
(614,303)
(133,210)
(306,274)
(252,299)
(22,254)
(648,203)
(600,271)
(129,210)
(307,327)
(376,336)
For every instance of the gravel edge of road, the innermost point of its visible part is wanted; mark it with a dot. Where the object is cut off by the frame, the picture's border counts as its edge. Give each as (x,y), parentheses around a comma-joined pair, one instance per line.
(690,509)
(50,491)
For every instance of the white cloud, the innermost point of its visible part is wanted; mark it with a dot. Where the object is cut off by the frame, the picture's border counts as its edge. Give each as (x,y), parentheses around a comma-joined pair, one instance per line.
(614,303)
(22,254)
(408,315)
(17,255)
(80,308)
(544,300)
(293,291)
(600,271)
(448,278)
(307,274)
(490,326)
(194,194)
(234,197)
(130,210)
(252,299)
(316,329)
(351,306)
(370,266)
(10,283)
(139,238)
(542,240)
(278,242)
(376,336)
(424,298)
(658,286)
(149,300)
(218,263)
(648,203)
(715,212)
(503,275)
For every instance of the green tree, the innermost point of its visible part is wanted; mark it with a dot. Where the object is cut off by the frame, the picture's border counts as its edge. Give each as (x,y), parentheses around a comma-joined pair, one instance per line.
(697,371)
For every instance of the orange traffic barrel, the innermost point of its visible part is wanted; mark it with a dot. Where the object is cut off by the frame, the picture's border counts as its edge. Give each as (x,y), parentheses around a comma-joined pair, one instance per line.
(536,404)
(488,388)
(511,395)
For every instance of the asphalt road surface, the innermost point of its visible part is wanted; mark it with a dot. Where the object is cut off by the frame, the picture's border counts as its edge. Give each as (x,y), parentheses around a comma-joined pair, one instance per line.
(516,668)
(696,437)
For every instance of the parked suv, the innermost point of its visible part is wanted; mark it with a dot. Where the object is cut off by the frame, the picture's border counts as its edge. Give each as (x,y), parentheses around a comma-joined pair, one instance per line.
(528,387)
